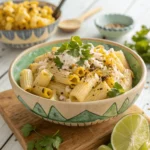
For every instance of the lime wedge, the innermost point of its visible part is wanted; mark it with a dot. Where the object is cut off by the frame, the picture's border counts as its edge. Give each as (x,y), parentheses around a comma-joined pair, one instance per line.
(130,133)
(104,147)
(145,146)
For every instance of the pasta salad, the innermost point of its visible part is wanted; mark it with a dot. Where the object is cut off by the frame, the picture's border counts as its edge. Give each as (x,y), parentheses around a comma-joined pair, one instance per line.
(24,15)
(78,72)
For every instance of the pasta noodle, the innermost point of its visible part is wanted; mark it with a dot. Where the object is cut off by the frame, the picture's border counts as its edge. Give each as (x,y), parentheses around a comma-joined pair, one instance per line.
(42,91)
(34,67)
(99,92)
(80,71)
(82,89)
(41,58)
(26,79)
(43,78)
(58,87)
(122,58)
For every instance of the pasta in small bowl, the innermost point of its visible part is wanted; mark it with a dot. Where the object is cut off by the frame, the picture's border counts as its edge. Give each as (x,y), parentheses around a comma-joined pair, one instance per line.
(26,23)
(78,82)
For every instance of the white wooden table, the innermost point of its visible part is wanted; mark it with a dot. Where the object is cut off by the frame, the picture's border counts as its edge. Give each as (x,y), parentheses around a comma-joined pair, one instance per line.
(138,9)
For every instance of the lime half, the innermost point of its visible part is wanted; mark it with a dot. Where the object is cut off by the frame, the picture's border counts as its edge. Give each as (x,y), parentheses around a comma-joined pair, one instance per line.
(104,147)
(145,146)
(130,133)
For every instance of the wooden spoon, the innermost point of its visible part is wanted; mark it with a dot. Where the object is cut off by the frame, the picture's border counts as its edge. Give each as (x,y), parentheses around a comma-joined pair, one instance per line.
(72,25)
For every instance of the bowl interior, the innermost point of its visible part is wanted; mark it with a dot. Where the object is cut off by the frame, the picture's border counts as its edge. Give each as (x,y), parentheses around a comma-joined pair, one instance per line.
(114,18)
(27,57)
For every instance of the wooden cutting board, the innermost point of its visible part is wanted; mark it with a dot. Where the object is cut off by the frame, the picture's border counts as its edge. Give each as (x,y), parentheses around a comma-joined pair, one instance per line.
(75,138)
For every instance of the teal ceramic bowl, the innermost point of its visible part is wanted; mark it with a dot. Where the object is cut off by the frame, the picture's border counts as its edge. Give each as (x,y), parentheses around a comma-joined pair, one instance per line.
(77,113)
(106,19)
(22,39)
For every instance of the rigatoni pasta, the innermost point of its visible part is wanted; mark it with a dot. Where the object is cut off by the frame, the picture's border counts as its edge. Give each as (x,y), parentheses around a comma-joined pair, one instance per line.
(26,79)
(78,72)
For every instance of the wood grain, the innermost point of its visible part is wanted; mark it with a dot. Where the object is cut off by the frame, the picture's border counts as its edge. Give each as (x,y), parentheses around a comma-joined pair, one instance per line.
(75,138)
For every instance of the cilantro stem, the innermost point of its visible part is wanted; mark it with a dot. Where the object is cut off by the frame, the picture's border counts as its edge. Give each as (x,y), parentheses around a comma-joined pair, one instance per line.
(38,133)
(55,133)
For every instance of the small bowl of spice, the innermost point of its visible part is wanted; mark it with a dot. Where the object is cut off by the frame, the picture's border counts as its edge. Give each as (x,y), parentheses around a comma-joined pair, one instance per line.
(114,25)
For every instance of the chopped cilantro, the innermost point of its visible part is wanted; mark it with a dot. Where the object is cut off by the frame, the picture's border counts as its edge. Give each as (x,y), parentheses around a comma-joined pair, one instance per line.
(44,142)
(86,46)
(74,52)
(76,39)
(27,129)
(116,90)
(86,54)
(73,45)
(58,63)
(63,47)
(81,61)
(141,43)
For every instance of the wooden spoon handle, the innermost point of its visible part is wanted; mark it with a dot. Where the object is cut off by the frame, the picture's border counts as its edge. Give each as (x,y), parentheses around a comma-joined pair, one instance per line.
(89,13)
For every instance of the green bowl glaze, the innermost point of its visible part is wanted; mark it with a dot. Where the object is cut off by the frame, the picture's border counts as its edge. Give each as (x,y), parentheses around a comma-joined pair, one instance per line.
(77,113)
(103,20)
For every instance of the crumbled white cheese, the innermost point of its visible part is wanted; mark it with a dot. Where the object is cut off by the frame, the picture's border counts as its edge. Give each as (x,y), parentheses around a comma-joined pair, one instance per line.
(62,98)
(64,72)
(111,50)
(68,89)
(50,54)
(42,64)
(86,63)
(96,63)
(67,60)
(98,56)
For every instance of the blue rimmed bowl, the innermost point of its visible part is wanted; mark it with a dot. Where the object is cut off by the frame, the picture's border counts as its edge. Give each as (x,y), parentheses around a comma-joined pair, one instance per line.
(27,38)
(77,113)
(106,19)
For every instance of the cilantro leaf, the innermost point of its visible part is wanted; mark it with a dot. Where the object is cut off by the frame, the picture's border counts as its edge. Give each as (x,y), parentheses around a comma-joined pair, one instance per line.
(76,39)
(58,63)
(81,61)
(74,49)
(141,43)
(86,54)
(57,142)
(63,47)
(86,46)
(45,142)
(74,52)
(116,90)
(146,57)
(27,129)
(30,145)
(73,45)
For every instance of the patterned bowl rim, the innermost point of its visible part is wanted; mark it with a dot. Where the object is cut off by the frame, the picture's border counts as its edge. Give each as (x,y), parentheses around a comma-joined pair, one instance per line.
(126,28)
(133,90)
(24,30)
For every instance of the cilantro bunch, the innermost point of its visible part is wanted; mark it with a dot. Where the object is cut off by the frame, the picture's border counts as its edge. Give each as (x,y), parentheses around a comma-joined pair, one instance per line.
(116,90)
(50,142)
(141,43)
(76,48)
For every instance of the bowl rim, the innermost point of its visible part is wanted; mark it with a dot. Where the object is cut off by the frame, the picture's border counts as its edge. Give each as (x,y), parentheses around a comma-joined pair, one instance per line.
(139,59)
(126,28)
(24,30)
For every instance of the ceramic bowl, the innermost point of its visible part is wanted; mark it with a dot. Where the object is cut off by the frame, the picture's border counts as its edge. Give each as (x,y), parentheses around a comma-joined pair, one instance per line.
(27,38)
(77,113)
(103,20)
